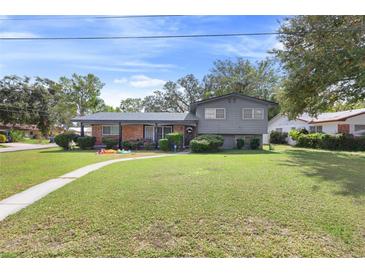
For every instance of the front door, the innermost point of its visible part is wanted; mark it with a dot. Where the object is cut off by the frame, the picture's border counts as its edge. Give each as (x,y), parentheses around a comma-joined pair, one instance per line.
(188,135)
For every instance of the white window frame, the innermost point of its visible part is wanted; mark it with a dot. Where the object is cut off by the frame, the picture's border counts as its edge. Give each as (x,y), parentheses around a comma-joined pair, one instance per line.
(253,113)
(111,132)
(153,132)
(359,125)
(215,110)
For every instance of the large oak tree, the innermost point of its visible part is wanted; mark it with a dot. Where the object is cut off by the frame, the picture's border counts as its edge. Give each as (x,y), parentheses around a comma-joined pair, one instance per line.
(323,58)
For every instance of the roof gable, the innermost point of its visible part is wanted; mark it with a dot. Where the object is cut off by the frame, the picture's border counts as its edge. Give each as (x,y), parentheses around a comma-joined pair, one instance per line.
(235,94)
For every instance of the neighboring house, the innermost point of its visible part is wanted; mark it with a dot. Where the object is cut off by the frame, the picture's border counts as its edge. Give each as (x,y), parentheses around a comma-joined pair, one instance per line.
(77,130)
(349,121)
(232,116)
(28,130)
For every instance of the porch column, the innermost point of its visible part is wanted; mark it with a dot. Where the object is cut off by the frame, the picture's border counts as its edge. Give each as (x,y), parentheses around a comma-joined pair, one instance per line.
(82,133)
(155,134)
(120,135)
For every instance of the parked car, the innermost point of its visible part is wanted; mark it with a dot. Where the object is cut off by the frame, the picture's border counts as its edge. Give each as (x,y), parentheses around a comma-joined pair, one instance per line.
(7,134)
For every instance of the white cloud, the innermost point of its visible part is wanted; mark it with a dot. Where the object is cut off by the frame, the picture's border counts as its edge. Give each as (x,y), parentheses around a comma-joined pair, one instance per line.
(248,47)
(120,81)
(142,81)
(9,34)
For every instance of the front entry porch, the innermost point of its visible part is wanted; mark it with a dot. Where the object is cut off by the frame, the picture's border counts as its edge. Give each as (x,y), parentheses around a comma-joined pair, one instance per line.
(149,132)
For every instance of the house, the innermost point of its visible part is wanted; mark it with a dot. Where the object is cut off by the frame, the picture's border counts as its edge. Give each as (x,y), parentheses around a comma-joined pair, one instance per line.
(349,121)
(232,116)
(28,130)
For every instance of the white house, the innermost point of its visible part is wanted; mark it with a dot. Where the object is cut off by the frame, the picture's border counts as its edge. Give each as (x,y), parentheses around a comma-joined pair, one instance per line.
(349,121)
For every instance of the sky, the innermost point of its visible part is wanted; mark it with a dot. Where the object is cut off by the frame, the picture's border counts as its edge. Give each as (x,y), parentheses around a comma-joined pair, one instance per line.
(130,68)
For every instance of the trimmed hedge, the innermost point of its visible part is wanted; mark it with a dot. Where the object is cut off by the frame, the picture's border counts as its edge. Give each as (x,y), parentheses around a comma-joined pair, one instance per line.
(164,144)
(200,145)
(132,144)
(206,143)
(110,142)
(2,138)
(255,143)
(86,142)
(277,137)
(240,143)
(63,140)
(324,141)
(174,138)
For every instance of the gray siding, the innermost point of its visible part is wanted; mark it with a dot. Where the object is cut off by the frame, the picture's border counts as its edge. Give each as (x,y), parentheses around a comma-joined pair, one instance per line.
(233,124)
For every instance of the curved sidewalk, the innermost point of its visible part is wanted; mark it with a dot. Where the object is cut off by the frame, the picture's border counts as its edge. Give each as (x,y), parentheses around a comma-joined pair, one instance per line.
(25,198)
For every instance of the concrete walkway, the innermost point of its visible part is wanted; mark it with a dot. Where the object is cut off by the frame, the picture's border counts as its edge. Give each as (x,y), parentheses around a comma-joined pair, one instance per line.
(21,146)
(25,198)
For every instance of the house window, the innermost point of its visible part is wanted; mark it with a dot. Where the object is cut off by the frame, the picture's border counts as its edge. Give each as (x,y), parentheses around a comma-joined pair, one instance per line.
(252,113)
(111,130)
(161,131)
(359,127)
(149,132)
(215,113)
(314,129)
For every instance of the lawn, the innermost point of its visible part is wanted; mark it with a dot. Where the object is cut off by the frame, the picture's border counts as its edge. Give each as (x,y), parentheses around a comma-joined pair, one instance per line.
(35,141)
(23,169)
(285,203)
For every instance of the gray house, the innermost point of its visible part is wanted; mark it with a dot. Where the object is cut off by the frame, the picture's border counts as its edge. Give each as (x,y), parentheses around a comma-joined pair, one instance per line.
(232,116)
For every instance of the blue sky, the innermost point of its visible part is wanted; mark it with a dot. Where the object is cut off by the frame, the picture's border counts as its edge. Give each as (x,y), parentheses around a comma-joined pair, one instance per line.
(131,68)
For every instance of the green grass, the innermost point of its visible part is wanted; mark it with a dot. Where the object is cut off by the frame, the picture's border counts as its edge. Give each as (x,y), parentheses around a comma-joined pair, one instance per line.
(284,203)
(23,169)
(35,141)
(2,146)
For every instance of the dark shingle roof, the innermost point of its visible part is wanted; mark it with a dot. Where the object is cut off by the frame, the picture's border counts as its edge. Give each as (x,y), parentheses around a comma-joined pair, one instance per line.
(136,117)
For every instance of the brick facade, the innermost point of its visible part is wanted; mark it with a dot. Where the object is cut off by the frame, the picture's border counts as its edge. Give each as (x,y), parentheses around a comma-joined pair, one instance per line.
(129,132)
(179,128)
(96,132)
(132,132)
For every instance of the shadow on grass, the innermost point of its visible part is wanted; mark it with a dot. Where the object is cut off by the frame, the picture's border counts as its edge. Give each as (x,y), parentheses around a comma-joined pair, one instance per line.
(345,169)
(237,152)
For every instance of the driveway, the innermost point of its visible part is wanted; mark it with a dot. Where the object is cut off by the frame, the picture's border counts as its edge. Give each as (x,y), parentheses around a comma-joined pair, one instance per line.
(21,146)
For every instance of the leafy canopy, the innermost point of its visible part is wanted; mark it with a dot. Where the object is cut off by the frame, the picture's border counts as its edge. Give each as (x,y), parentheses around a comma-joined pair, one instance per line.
(324,62)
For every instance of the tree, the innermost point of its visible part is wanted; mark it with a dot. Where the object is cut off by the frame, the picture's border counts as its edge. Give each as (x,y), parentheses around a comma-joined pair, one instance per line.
(24,101)
(14,98)
(84,91)
(259,80)
(175,97)
(323,59)
(131,105)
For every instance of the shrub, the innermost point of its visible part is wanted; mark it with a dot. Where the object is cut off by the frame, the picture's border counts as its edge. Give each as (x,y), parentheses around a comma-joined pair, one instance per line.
(240,143)
(149,145)
(132,144)
(215,141)
(312,140)
(337,142)
(200,145)
(110,142)
(164,144)
(16,135)
(255,143)
(277,137)
(63,140)
(2,138)
(86,142)
(174,138)
(206,143)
